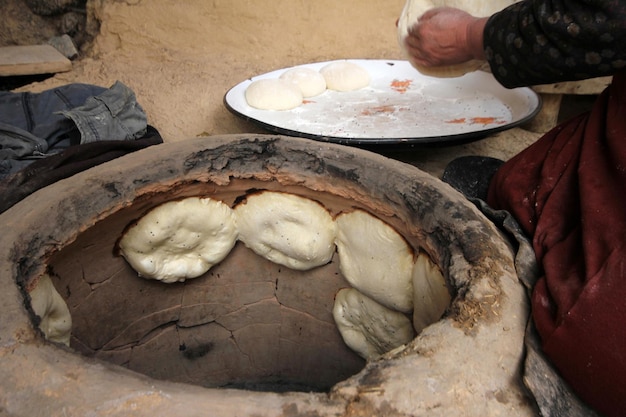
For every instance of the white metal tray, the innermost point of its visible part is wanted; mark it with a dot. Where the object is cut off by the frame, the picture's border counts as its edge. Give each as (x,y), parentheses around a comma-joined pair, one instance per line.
(400,106)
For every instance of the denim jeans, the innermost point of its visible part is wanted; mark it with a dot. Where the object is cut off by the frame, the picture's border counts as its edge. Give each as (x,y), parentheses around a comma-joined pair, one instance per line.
(36,125)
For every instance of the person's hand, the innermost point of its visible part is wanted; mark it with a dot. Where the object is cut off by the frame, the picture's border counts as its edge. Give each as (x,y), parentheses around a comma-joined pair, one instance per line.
(446,36)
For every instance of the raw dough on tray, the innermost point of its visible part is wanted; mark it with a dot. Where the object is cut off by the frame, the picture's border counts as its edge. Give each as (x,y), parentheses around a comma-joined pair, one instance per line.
(273,94)
(345,76)
(310,81)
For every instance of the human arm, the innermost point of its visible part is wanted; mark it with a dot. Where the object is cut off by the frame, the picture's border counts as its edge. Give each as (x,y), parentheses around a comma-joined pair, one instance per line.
(531,42)
(446,36)
(546,41)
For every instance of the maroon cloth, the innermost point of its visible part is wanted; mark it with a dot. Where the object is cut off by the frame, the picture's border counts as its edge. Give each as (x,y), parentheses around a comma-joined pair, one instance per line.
(568,191)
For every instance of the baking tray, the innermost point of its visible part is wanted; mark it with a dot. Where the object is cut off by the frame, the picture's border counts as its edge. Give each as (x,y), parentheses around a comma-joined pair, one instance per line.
(400,106)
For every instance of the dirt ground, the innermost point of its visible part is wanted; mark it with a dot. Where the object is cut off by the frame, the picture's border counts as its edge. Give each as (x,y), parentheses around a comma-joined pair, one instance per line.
(181,58)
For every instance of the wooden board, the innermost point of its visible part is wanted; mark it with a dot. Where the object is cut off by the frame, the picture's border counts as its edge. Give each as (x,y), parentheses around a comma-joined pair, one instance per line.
(589,86)
(32,60)
(552,95)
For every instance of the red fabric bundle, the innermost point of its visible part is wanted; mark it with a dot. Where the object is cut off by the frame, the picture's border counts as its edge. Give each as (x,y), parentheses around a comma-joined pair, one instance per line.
(568,191)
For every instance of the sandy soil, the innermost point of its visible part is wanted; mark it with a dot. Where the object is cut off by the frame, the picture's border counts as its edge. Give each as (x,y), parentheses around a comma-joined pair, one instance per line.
(181,58)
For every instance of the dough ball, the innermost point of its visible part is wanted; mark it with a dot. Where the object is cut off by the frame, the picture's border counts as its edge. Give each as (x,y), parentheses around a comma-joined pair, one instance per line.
(375,259)
(287,229)
(368,328)
(413,9)
(345,76)
(273,94)
(310,81)
(55,319)
(431,296)
(180,239)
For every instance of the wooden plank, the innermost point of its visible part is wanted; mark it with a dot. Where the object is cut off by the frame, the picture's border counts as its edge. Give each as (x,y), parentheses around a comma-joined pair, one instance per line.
(590,86)
(552,95)
(32,60)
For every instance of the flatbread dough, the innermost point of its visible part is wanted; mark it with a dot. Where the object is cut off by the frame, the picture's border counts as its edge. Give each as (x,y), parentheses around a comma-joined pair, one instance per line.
(431,297)
(310,81)
(55,319)
(273,94)
(287,229)
(367,327)
(345,76)
(180,239)
(375,259)
(413,9)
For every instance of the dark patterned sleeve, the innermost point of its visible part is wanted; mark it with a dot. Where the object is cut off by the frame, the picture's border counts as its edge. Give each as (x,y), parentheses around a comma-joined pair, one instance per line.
(546,41)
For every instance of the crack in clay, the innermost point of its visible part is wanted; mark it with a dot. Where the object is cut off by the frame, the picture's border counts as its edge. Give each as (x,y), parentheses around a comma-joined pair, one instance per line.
(233,338)
(304,313)
(146,336)
(154,333)
(243,308)
(95,285)
(215,318)
(244,354)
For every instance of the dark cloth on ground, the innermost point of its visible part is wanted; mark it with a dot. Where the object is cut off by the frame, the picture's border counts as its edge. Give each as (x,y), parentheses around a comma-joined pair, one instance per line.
(568,191)
(37,125)
(52,135)
(471,175)
(72,160)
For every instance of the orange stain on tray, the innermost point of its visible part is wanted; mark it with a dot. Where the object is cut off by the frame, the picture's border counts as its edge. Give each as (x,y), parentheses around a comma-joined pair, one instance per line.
(400,85)
(370,111)
(478,121)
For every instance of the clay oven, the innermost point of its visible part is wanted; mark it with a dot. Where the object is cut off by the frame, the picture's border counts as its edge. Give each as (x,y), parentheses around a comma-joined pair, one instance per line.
(249,337)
